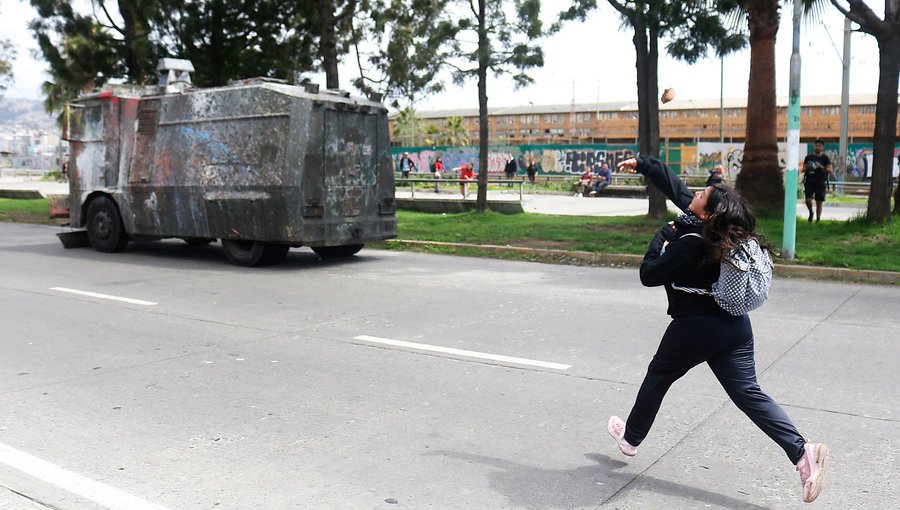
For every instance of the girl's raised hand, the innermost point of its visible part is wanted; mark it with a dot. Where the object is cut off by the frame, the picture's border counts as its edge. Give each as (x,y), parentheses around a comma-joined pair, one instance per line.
(628,166)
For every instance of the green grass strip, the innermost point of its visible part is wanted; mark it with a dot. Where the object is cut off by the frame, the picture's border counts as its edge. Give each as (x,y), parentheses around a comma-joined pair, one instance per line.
(850,244)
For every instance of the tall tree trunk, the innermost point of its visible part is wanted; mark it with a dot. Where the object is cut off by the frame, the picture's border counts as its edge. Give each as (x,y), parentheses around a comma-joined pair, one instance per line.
(879,208)
(483,61)
(646,45)
(328,43)
(657,201)
(137,43)
(760,180)
(215,52)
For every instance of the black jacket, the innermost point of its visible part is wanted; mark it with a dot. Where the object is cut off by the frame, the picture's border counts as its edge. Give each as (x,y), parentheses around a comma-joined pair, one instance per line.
(684,262)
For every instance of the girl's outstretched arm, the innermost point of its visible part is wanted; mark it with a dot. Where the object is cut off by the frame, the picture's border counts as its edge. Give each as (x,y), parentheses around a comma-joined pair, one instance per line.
(663,178)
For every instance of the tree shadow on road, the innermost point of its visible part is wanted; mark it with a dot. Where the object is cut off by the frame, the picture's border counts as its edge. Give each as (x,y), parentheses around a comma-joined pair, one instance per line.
(586,486)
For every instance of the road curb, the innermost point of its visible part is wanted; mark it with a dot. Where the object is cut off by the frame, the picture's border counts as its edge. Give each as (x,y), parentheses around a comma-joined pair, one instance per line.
(20,194)
(624,260)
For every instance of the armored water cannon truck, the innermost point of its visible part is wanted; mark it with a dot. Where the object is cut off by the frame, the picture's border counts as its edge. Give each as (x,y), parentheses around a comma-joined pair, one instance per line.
(259,164)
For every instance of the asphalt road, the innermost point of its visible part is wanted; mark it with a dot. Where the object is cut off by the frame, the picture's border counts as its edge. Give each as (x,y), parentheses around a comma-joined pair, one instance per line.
(219,387)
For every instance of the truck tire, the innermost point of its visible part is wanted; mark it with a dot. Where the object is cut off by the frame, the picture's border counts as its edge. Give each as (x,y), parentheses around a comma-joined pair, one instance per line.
(104,226)
(253,253)
(333,252)
(243,253)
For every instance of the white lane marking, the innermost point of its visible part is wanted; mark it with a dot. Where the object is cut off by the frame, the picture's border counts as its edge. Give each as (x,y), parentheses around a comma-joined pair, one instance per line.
(104,296)
(100,493)
(461,352)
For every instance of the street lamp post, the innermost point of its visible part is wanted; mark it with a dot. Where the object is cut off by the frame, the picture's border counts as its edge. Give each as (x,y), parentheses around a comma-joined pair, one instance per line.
(721,110)
(531,119)
(845,100)
(793,144)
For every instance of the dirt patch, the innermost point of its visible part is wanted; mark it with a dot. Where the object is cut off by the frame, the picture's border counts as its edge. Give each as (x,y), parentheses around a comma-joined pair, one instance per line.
(594,227)
(24,217)
(542,243)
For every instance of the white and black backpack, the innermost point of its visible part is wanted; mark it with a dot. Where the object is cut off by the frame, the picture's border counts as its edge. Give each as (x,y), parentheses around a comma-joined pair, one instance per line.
(744,278)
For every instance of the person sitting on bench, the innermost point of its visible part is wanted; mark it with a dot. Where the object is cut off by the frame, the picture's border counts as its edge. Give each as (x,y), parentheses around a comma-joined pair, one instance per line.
(583,184)
(604,177)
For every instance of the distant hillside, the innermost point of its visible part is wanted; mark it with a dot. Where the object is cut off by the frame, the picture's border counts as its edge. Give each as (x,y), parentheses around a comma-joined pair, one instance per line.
(28,113)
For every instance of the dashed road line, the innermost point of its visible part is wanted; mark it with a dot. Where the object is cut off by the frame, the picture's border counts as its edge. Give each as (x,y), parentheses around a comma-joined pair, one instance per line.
(464,353)
(97,492)
(104,296)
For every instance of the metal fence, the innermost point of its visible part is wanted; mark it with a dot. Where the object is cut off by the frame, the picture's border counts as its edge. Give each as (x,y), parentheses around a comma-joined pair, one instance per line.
(519,183)
(635,182)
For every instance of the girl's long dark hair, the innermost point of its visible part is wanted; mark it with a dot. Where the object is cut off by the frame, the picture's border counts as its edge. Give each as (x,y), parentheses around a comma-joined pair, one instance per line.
(730,222)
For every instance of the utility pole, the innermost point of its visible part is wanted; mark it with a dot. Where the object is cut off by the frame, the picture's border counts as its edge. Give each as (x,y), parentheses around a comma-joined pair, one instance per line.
(572,115)
(530,124)
(845,99)
(721,99)
(793,144)
(721,112)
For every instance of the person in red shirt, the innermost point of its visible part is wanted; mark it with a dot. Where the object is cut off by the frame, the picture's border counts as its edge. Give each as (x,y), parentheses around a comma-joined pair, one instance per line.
(467,174)
(438,169)
(584,182)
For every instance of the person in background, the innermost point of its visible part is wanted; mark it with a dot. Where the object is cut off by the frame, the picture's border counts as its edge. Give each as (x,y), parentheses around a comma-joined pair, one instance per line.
(584,182)
(604,178)
(531,169)
(438,171)
(511,169)
(467,173)
(716,176)
(406,165)
(816,169)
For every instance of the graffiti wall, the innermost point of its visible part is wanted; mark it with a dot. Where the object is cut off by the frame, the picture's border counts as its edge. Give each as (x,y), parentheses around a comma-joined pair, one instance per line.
(729,155)
(859,162)
(693,159)
(550,159)
(858,166)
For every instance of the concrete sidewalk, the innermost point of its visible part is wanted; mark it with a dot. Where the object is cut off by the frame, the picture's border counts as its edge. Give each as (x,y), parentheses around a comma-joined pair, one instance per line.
(43,187)
(568,205)
(564,205)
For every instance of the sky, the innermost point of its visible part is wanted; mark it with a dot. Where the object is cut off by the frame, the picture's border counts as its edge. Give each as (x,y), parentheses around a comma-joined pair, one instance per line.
(585,62)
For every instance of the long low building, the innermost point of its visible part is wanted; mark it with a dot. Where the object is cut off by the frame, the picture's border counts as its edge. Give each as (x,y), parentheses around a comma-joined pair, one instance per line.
(682,120)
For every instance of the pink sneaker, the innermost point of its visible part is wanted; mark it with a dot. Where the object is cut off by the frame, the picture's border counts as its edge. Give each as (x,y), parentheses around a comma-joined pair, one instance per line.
(616,428)
(812,470)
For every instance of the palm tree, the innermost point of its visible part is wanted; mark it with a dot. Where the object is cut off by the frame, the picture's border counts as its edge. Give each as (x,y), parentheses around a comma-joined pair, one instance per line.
(407,127)
(691,28)
(432,133)
(887,32)
(456,132)
(760,180)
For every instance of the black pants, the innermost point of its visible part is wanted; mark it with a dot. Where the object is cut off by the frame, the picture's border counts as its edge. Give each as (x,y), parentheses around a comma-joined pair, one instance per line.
(725,343)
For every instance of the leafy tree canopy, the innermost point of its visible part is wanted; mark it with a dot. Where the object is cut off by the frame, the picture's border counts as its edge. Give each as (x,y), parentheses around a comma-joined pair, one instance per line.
(509,47)
(79,51)
(7,54)
(405,49)
(233,39)
(692,27)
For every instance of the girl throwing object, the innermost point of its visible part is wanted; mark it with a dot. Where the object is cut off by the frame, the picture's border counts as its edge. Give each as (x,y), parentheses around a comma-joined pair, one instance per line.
(686,254)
